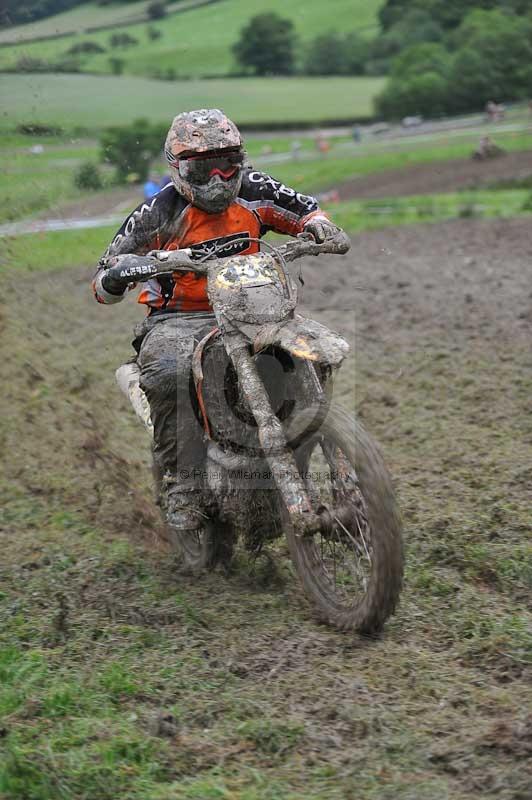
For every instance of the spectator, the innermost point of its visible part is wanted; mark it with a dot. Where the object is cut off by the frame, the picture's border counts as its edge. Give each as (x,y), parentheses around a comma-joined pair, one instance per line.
(295,147)
(151,187)
(322,145)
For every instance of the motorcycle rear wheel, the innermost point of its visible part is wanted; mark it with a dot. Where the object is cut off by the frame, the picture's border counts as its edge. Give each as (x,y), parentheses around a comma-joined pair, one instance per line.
(352,573)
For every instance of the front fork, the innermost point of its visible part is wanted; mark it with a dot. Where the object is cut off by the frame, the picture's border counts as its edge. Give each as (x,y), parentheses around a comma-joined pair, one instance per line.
(272,439)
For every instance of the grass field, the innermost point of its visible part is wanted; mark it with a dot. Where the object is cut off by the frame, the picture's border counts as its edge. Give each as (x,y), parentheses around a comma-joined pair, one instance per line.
(77,19)
(371,214)
(85,17)
(198,42)
(93,102)
(33,182)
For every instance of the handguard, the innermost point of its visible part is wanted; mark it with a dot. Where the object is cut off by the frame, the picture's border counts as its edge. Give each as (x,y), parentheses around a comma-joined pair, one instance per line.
(123,270)
(305,245)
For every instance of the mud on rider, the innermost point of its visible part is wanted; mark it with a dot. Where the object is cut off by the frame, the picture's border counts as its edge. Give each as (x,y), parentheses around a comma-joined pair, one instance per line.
(213,200)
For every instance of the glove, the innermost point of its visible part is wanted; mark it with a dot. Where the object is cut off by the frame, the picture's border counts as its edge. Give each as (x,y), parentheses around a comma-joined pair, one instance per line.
(125,270)
(321,228)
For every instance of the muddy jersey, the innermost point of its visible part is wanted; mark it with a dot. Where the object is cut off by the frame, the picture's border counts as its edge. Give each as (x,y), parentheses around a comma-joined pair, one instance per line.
(169,222)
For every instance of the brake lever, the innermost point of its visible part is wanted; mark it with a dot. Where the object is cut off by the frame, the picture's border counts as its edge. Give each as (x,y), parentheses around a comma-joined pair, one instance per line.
(306,245)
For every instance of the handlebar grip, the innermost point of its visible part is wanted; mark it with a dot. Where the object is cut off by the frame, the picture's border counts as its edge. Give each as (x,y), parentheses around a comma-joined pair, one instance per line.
(139,268)
(336,245)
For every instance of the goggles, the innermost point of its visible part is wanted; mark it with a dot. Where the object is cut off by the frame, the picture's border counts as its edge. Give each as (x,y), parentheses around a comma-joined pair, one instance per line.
(200,169)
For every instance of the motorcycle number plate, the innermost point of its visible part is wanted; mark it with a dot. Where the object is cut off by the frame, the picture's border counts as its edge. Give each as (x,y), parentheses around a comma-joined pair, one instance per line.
(245,274)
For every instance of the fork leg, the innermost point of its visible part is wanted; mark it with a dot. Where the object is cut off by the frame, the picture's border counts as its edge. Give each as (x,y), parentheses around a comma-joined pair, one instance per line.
(271,435)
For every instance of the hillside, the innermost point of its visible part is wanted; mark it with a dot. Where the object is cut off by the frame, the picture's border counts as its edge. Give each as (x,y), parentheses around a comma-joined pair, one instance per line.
(93,102)
(76,19)
(87,17)
(197,42)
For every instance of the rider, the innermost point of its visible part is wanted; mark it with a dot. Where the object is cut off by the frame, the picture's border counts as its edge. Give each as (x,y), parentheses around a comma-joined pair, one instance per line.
(215,204)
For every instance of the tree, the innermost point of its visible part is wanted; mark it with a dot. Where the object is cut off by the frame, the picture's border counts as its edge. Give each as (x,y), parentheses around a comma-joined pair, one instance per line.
(413,27)
(153,33)
(117,65)
(131,148)
(494,61)
(421,58)
(87,176)
(334,54)
(122,40)
(81,48)
(446,13)
(157,9)
(327,55)
(266,45)
(424,94)
(357,53)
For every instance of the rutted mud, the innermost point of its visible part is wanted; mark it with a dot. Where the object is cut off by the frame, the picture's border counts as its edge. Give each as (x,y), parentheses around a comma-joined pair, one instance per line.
(440,320)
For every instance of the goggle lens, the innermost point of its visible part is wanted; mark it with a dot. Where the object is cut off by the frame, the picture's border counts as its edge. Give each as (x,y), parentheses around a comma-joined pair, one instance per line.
(200,170)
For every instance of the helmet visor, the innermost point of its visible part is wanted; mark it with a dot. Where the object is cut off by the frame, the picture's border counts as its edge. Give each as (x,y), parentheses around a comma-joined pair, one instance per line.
(199,170)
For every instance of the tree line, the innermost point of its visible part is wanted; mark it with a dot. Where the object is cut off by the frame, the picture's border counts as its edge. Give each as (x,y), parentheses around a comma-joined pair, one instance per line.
(441,56)
(19,12)
(454,56)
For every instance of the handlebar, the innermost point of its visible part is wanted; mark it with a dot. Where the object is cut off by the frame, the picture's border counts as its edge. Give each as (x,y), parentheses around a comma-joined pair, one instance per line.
(164,262)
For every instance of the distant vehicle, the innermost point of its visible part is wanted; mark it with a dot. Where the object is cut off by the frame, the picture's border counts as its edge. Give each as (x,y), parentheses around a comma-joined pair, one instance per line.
(411,122)
(494,111)
(487,149)
(379,127)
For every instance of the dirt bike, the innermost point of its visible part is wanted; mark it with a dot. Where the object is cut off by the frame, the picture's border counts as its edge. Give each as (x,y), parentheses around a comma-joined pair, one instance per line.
(281,457)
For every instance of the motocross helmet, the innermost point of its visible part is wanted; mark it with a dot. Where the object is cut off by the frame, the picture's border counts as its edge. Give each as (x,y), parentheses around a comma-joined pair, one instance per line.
(205,155)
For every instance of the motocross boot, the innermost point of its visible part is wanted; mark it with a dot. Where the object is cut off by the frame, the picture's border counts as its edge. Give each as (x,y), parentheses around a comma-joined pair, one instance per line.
(182,506)
(188,528)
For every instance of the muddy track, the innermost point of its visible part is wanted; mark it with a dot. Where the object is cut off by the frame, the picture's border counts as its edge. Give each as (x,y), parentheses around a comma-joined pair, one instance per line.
(440,319)
(445,176)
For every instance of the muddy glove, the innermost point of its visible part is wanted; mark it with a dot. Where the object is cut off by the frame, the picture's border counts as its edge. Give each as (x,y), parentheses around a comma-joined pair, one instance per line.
(321,228)
(125,270)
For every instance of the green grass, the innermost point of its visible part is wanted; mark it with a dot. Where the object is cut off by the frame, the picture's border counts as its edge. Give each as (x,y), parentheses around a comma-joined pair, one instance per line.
(369,214)
(198,42)
(54,250)
(32,182)
(83,16)
(91,103)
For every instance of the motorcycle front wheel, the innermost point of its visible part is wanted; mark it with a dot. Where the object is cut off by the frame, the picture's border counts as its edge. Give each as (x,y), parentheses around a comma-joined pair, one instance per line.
(352,570)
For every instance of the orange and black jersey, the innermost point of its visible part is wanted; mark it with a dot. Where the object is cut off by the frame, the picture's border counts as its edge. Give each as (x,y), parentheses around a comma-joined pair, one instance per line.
(169,222)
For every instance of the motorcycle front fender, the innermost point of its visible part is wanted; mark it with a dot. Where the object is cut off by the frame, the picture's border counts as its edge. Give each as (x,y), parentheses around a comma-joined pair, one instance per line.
(303,338)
